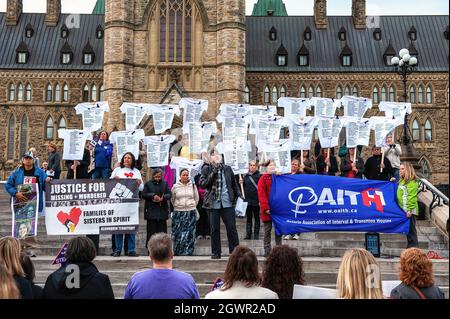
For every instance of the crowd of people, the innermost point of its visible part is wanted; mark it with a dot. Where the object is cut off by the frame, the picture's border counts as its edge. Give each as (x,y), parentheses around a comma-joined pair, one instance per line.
(242,279)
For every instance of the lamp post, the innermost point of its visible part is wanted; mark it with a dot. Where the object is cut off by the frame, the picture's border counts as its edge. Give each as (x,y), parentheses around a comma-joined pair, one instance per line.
(405,65)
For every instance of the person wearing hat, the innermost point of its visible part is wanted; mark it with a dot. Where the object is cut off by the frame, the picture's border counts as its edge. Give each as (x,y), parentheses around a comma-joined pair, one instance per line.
(54,161)
(27,173)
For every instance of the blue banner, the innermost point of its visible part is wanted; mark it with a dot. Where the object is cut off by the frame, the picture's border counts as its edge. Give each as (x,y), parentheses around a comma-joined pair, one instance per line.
(314,203)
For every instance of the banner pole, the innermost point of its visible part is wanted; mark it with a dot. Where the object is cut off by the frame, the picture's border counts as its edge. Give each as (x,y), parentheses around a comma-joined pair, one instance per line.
(241,181)
(354,155)
(301,157)
(382,160)
(74,171)
(328,158)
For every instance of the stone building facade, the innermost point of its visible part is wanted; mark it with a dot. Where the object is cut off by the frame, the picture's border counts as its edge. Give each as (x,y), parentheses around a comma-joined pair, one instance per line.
(157,51)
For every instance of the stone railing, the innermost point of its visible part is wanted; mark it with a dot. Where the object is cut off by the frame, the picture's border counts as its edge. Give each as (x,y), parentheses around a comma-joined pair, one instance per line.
(436,203)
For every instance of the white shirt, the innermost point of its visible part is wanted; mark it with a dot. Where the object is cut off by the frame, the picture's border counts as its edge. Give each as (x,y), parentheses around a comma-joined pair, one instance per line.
(92,114)
(163,115)
(193,110)
(134,113)
(127,141)
(294,106)
(355,106)
(74,141)
(124,172)
(158,149)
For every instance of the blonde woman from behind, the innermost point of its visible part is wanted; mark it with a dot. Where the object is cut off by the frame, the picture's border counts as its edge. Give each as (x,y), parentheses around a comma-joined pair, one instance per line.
(359,276)
(8,288)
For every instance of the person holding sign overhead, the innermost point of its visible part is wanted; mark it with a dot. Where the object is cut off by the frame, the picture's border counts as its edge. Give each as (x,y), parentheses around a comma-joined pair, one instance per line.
(377,168)
(103,152)
(327,164)
(127,169)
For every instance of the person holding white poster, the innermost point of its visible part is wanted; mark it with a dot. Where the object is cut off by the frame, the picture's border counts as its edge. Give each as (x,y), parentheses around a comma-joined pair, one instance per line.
(158,149)
(192,111)
(127,169)
(103,152)
(92,114)
(326,163)
(393,151)
(352,166)
(235,155)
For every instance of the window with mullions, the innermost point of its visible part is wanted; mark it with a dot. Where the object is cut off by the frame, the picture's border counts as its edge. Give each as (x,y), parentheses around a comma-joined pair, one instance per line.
(375,95)
(247,95)
(274,95)
(28,92)
(412,94)
(175,31)
(266,95)
(428,131)
(415,131)
(11,137)
(24,134)
(49,128)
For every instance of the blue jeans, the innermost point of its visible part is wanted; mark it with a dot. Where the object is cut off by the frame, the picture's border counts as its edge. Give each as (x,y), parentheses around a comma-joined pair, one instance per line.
(131,242)
(100,173)
(396,174)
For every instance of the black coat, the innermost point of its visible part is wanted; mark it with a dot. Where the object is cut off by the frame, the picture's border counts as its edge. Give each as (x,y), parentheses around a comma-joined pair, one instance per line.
(403,291)
(372,169)
(93,284)
(82,169)
(320,165)
(209,177)
(251,192)
(156,211)
(346,166)
(24,287)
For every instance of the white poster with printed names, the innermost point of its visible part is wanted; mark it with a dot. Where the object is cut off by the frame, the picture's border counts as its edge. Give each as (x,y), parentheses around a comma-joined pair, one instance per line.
(158,148)
(193,166)
(395,110)
(236,155)
(268,129)
(74,142)
(329,130)
(192,111)
(234,128)
(324,106)
(296,107)
(127,141)
(280,153)
(357,132)
(382,126)
(256,111)
(234,109)
(355,106)
(134,113)
(163,115)
(301,132)
(200,136)
(92,114)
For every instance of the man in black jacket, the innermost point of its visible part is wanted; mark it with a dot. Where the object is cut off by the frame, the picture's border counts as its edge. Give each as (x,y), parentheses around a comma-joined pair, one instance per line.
(373,166)
(222,191)
(251,180)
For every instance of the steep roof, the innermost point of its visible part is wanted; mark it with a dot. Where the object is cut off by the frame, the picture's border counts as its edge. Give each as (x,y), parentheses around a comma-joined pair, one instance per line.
(99,7)
(325,47)
(46,43)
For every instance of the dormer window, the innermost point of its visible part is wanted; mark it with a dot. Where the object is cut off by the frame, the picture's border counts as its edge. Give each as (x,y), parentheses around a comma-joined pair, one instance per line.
(88,54)
(99,32)
(66,54)
(412,50)
(64,32)
(342,34)
(346,56)
(412,34)
(303,56)
(446,33)
(273,34)
(307,34)
(270,12)
(377,34)
(282,56)
(389,53)
(22,53)
(29,31)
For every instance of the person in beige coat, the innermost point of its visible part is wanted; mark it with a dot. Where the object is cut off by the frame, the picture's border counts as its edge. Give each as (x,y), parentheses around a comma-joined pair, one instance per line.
(184,220)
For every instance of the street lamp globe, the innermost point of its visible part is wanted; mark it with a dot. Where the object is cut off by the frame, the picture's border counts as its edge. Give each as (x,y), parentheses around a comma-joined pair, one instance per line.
(406,58)
(413,61)
(403,52)
(395,60)
(401,63)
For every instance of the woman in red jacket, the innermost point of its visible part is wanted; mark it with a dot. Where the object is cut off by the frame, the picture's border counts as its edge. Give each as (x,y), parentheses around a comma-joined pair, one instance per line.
(264,186)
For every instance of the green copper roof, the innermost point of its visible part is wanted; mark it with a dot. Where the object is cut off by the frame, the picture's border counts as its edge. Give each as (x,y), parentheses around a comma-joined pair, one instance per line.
(262,7)
(99,7)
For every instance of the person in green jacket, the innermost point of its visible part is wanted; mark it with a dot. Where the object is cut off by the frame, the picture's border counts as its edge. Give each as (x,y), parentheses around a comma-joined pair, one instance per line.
(408,188)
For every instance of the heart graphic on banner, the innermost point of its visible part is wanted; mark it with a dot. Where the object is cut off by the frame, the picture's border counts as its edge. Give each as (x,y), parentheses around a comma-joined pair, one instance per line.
(129,175)
(70,220)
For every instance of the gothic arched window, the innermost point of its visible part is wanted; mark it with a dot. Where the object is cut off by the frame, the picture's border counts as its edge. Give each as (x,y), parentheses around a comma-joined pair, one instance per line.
(274,95)
(23,134)
(175,30)
(49,128)
(266,95)
(11,137)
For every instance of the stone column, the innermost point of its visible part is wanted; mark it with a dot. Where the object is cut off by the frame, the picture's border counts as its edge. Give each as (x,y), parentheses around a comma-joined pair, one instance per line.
(118,60)
(13,11)
(53,12)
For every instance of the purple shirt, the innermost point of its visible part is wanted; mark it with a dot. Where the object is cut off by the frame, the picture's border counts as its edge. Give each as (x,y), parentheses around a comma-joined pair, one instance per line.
(161,284)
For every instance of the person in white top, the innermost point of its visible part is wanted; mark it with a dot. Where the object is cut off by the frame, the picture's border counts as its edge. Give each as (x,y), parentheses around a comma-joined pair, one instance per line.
(127,169)
(242,279)
(393,151)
